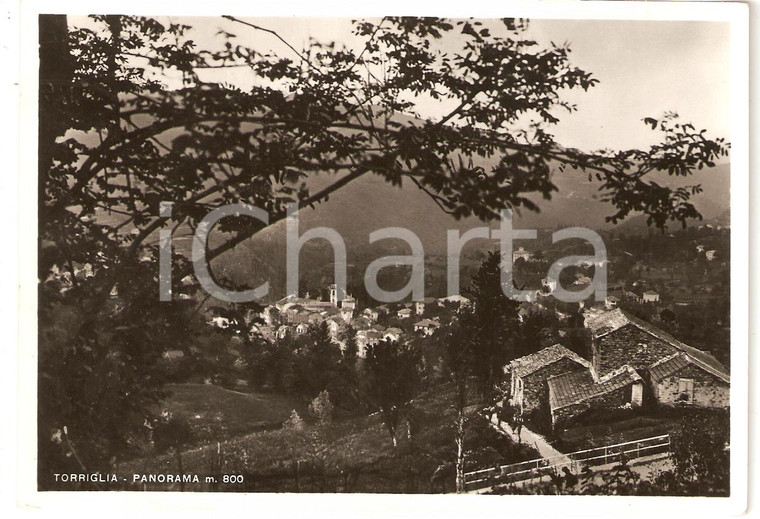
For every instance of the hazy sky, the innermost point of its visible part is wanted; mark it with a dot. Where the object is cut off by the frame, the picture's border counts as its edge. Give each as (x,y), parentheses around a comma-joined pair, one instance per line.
(644,68)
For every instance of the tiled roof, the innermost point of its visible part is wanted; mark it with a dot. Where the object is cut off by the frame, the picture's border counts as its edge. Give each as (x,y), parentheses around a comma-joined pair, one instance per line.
(575,387)
(603,323)
(530,363)
(676,362)
(426,322)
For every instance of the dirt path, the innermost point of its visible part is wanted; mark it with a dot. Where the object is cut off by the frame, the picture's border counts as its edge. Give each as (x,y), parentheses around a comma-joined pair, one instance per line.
(531,438)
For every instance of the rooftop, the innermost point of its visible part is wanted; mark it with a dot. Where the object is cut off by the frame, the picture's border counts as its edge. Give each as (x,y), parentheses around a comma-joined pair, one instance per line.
(603,323)
(530,363)
(672,364)
(426,322)
(575,387)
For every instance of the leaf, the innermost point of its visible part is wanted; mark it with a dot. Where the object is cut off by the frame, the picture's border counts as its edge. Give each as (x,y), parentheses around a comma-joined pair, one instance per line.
(652,122)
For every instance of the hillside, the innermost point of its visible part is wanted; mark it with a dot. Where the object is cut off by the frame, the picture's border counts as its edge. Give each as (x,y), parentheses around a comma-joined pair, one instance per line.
(369,203)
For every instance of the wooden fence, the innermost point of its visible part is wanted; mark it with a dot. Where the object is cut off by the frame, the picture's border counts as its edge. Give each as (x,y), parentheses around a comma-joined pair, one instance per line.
(574,461)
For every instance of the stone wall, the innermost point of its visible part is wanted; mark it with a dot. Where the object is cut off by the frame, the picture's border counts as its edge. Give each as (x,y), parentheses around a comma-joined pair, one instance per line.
(709,390)
(535,388)
(629,345)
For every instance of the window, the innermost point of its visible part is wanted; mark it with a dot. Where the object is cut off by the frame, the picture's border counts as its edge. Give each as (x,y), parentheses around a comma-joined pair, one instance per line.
(686,390)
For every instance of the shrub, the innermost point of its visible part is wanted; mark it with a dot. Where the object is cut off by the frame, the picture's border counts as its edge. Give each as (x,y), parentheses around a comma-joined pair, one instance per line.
(294,422)
(321,408)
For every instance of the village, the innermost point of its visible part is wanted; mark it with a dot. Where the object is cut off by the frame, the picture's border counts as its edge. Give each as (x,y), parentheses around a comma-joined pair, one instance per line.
(621,364)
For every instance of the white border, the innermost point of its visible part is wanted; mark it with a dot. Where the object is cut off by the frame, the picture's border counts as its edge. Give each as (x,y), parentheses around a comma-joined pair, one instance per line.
(384,505)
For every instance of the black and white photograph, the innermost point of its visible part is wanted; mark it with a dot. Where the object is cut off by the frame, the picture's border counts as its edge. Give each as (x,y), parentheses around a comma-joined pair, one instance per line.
(390,254)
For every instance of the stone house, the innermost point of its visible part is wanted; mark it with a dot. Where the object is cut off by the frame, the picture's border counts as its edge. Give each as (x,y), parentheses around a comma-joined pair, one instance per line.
(528,374)
(619,339)
(632,362)
(684,380)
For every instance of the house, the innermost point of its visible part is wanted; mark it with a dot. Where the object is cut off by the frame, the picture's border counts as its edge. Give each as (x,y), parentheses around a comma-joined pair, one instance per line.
(302,328)
(461,301)
(371,314)
(392,334)
(295,313)
(366,338)
(315,318)
(528,374)
(330,312)
(650,296)
(619,339)
(711,255)
(348,303)
(611,302)
(522,254)
(404,313)
(421,306)
(333,326)
(573,393)
(426,326)
(346,314)
(373,337)
(271,315)
(681,379)
(631,361)
(361,323)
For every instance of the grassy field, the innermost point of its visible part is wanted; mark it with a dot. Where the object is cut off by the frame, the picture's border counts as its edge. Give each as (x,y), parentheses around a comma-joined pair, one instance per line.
(352,455)
(218,414)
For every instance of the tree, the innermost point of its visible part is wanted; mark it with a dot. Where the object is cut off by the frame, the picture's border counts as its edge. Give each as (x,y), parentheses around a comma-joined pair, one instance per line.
(492,326)
(321,408)
(172,433)
(317,361)
(700,454)
(458,360)
(129,119)
(294,422)
(393,375)
(351,350)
